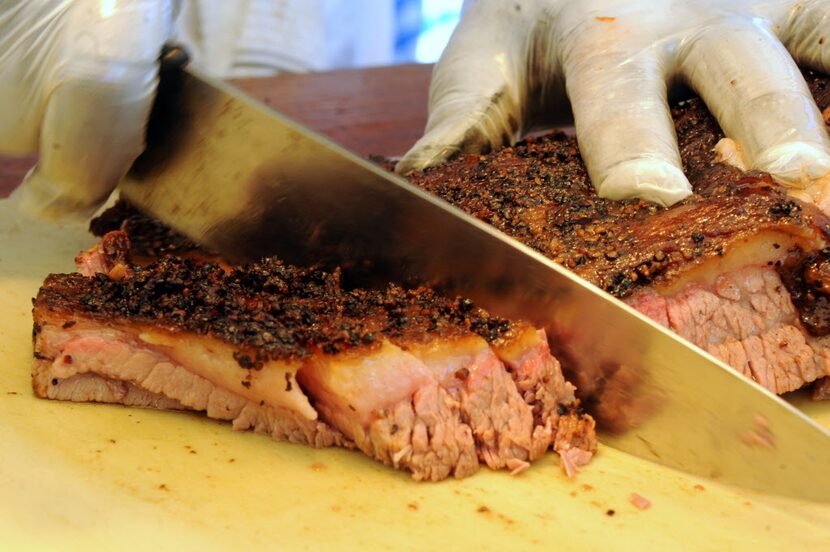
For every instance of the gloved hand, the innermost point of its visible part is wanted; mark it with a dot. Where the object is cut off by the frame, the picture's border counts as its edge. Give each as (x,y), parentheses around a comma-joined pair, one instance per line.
(77,81)
(510,64)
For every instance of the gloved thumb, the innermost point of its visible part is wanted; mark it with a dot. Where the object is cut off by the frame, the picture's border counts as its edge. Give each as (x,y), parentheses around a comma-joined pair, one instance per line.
(101,88)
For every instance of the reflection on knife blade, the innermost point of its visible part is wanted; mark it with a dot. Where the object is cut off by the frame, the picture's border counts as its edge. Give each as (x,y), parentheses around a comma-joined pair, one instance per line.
(296,195)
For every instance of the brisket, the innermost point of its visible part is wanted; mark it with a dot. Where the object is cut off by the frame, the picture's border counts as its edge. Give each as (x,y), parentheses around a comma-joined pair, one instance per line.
(417,381)
(738,268)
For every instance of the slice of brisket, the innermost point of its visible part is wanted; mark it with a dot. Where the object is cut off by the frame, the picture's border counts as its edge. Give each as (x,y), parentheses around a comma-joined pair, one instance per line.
(419,382)
(738,268)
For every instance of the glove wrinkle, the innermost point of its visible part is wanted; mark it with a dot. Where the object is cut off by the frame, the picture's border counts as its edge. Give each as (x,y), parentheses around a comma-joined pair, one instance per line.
(76,85)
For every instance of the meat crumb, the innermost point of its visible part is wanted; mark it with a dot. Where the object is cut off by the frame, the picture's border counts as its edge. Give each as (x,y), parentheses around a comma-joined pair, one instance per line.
(398,456)
(517,466)
(698,487)
(572,458)
(639,502)
(610,513)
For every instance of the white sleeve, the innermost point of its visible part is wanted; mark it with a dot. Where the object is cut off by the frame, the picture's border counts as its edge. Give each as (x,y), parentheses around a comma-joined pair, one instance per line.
(359,33)
(254,37)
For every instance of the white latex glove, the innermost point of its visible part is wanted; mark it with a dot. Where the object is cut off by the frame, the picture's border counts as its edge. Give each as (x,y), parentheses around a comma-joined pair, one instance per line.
(77,81)
(510,63)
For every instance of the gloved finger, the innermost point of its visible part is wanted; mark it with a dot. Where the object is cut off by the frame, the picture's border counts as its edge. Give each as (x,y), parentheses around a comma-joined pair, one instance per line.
(476,96)
(91,133)
(623,124)
(806,34)
(102,90)
(27,47)
(753,87)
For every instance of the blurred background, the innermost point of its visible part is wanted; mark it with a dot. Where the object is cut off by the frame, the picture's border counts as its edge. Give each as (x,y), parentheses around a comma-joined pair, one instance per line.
(364,33)
(354,34)
(250,38)
(423,27)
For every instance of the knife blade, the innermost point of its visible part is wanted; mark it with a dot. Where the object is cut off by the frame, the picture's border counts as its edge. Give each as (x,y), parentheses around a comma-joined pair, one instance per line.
(246,182)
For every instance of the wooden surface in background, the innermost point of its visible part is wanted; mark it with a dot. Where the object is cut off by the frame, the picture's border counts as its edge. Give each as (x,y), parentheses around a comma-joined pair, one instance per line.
(379,111)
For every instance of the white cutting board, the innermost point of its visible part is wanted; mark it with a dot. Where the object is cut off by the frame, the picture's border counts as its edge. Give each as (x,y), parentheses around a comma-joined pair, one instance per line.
(86,476)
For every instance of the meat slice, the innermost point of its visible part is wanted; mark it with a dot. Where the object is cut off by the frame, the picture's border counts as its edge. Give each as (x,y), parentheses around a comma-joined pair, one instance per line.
(416,381)
(747,318)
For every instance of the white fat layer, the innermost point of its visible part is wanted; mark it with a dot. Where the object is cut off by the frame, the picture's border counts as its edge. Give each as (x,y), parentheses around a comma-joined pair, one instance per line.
(761,249)
(366,382)
(203,357)
(445,357)
(514,350)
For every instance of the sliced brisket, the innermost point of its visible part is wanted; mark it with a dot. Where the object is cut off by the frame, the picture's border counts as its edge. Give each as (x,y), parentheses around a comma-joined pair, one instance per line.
(737,268)
(416,381)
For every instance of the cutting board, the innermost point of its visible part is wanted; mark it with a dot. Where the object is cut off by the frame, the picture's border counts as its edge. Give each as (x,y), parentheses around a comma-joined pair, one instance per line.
(81,476)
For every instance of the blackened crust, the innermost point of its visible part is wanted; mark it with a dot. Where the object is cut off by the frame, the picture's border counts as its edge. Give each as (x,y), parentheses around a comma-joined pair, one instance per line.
(539,192)
(268,310)
(808,281)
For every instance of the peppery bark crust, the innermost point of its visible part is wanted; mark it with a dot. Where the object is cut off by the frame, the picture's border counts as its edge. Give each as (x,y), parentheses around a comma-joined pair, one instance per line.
(538,191)
(269,310)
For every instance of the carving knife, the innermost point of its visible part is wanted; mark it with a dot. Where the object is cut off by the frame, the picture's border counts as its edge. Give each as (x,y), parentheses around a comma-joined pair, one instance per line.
(246,182)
